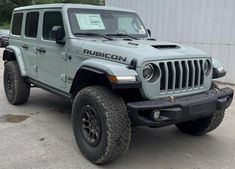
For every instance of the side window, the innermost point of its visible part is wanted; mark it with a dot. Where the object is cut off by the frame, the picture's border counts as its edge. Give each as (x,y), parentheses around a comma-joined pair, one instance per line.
(31,24)
(17,23)
(51,19)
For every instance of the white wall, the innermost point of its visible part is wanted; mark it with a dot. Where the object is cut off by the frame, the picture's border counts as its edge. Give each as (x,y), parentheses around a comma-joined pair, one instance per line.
(206,24)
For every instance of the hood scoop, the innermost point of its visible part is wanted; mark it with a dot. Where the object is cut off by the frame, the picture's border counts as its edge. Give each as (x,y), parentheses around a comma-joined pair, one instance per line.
(160,47)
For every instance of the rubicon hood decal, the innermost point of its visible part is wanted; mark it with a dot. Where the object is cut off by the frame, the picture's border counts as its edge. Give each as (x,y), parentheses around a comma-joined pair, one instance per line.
(104,55)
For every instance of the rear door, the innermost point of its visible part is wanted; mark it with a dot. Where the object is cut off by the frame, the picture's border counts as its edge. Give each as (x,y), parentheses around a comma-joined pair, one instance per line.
(29,42)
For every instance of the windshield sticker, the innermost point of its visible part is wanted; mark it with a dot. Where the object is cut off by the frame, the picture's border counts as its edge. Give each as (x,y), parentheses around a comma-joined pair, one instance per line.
(90,22)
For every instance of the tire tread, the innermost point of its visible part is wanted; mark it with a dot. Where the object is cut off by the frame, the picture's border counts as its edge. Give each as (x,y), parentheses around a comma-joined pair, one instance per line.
(22,88)
(203,125)
(117,121)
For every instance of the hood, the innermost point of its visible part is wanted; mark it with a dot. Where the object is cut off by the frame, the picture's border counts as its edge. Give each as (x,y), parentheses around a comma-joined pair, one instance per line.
(123,51)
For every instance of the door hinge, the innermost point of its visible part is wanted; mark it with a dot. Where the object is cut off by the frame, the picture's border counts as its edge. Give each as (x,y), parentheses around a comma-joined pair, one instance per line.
(64,55)
(35,68)
(63,77)
(69,79)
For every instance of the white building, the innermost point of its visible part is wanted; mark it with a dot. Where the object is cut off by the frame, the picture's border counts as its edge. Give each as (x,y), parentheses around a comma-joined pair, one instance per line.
(205,24)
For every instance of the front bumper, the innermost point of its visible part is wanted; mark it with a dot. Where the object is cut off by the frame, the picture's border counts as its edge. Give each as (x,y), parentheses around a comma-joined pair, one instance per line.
(179,109)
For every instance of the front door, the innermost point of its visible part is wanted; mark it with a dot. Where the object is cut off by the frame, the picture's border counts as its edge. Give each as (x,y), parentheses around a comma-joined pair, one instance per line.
(51,56)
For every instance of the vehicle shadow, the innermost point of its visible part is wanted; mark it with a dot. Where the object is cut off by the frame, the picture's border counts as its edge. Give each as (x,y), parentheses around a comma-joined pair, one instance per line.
(167,148)
(149,148)
(49,102)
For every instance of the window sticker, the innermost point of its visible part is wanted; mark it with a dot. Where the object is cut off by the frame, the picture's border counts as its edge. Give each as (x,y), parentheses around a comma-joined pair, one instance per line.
(90,22)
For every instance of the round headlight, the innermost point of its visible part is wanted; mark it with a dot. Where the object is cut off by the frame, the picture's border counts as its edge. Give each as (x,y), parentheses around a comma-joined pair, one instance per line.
(207,67)
(148,72)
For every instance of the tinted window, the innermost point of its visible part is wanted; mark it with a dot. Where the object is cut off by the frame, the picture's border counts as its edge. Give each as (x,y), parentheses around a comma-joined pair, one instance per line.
(17,23)
(31,24)
(51,19)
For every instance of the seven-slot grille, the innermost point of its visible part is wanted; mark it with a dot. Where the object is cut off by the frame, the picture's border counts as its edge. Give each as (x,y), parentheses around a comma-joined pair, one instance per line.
(181,75)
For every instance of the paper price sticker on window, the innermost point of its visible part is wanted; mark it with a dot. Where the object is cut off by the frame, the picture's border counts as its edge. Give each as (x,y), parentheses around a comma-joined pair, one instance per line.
(90,22)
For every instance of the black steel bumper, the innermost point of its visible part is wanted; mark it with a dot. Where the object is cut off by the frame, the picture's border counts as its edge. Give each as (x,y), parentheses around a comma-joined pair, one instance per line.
(179,109)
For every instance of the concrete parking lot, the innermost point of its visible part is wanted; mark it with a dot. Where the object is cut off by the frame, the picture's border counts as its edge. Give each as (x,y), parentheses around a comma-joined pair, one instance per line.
(39,135)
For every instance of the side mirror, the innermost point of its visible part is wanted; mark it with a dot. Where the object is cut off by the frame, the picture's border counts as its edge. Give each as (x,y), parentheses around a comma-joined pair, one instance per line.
(149,32)
(58,34)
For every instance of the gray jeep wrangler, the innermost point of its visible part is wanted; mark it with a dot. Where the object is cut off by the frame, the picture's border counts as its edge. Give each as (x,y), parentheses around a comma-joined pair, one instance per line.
(104,60)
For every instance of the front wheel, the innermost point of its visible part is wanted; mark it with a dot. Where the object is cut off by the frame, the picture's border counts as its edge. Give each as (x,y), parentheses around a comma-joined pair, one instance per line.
(101,124)
(203,125)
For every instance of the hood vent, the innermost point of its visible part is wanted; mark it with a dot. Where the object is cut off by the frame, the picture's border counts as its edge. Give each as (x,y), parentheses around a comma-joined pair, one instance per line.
(134,44)
(166,47)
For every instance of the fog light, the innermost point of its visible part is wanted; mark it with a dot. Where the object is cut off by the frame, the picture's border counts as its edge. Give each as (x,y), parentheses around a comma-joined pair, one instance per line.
(155,114)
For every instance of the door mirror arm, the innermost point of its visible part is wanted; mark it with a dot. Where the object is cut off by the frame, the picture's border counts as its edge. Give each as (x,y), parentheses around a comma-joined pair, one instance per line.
(149,32)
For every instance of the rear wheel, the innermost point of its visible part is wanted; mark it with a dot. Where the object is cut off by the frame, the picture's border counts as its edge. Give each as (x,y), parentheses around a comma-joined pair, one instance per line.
(203,125)
(101,124)
(16,89)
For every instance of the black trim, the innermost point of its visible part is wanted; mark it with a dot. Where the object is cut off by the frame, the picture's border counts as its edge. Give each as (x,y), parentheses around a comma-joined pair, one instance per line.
(130,85)
(166,47)
(179,109)
(90,68)
(217,74)
(50,88)
(133,64)
(8,54)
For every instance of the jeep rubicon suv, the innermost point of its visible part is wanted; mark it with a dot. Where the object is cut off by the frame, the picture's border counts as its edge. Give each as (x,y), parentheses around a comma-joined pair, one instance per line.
(104,60)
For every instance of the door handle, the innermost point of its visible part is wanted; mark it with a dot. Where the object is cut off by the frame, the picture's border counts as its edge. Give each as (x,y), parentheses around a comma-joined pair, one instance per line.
(25,46)
(41,50)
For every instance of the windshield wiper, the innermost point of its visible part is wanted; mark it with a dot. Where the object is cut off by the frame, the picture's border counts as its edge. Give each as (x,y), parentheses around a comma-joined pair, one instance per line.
(123,34)
(94,34)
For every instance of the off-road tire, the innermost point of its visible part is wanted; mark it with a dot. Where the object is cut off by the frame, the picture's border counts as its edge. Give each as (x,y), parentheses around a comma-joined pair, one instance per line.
(19,91)
(114,120)
(203,125)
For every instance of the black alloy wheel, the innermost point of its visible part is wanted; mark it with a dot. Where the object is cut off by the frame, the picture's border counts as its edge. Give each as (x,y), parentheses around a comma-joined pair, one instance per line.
(91,126)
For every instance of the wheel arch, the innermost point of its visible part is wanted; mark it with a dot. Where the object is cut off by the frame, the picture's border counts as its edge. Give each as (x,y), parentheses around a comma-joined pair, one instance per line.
(97,71)
(14,53)
(88,76)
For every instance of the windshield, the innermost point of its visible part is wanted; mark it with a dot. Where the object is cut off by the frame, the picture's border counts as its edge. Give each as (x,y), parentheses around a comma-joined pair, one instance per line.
(105,22)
